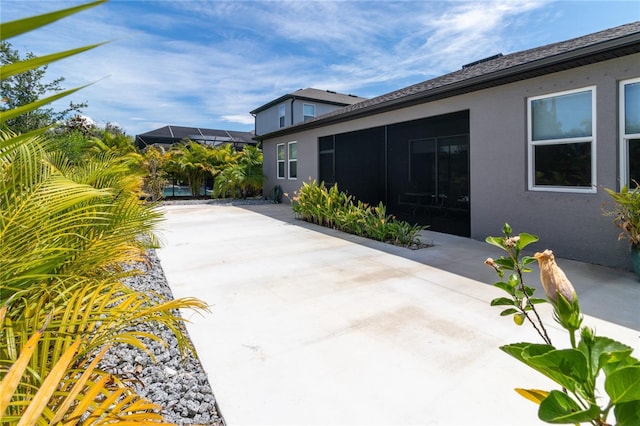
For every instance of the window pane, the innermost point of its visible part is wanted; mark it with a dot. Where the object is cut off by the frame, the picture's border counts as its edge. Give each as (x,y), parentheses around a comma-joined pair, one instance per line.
(293,169)
(281,152)
(309,110)
(632,108)
(293,151)
(563,164)
(634,160)
(558,117)
(281,169)
(281,115)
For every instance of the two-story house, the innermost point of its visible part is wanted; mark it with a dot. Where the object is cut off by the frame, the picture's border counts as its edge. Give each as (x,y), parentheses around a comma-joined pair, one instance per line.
(531,138)
(298,107)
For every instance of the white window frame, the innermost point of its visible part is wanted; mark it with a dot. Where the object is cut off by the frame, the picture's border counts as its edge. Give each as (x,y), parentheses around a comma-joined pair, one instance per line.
(282,116)
(283,161)
(592,139)
(305,116)
(624,137)
(292,160)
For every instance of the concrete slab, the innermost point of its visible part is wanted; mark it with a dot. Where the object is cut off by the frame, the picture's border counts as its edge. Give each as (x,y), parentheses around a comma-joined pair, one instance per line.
(311,326)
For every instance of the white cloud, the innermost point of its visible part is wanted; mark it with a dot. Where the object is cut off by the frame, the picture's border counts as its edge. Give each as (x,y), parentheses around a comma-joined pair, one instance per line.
(246,119)
(208,64)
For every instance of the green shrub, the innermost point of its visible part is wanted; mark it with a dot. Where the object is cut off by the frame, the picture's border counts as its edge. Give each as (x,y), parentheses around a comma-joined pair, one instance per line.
(336,209)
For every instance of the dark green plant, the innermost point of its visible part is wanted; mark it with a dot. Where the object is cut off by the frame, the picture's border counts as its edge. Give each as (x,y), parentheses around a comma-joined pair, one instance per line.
(241,175)
(155,177)
(577,369)
(626,212)
(336,209)
(66,228)
(26,88)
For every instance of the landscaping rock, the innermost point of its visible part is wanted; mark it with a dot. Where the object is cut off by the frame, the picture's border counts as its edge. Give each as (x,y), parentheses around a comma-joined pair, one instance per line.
(179,385)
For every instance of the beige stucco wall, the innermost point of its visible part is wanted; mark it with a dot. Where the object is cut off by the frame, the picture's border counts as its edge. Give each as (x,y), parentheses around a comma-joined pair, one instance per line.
(571,224)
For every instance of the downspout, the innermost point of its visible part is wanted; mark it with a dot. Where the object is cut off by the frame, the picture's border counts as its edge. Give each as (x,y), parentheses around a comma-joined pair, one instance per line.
(255,125)
(293,99)
(386,165)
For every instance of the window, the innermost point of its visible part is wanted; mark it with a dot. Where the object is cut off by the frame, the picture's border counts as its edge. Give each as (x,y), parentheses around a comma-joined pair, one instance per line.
(280,160)
(293,160)
(308,111)
(630,131)
(561,138)
(281,115)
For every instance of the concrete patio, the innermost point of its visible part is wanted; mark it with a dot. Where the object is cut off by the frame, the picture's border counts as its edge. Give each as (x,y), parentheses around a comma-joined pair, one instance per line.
(313,326)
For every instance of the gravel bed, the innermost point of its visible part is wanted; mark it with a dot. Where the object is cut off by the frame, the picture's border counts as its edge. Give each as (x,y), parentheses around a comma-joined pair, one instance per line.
(180,386)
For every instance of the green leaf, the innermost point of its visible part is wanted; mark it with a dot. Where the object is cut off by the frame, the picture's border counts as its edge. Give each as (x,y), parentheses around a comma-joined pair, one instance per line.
(517,349)
(15,112)
(502,301)
(506,287)
(21,26)
(496,241)
(513,280)
(508,312)
(505,263)
(623,385)
(536,300)
(560,408)
(566,366)
(526,260)
(604,352)
(627,413)
(525,240)
(19,67)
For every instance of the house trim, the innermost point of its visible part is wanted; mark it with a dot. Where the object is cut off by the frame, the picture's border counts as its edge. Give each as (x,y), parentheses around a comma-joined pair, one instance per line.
(531,144)
(624,154)
(480,77)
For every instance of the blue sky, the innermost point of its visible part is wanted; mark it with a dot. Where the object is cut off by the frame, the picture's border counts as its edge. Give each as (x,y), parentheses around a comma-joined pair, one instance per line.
(208,63)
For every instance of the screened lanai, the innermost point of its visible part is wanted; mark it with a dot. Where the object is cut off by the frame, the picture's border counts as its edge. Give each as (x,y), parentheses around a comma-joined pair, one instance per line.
(168,135)
(419,169)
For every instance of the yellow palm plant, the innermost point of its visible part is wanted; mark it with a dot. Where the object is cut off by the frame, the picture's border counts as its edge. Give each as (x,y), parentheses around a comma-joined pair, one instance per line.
(65,229)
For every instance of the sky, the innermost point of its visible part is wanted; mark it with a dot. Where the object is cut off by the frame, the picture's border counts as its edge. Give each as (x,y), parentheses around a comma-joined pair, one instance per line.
(208,63)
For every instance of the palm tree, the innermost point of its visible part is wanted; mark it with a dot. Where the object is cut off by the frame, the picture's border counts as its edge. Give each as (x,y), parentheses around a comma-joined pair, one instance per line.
(155,175)
(191,160)
(66,228)
(241,178)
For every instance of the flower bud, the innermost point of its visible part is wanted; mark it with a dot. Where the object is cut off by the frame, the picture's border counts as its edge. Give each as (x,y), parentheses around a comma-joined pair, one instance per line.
(553,278)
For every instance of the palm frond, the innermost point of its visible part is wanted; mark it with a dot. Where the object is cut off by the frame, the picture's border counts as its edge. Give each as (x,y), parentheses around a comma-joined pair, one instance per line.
(21,26)
(12,69)
(18,111)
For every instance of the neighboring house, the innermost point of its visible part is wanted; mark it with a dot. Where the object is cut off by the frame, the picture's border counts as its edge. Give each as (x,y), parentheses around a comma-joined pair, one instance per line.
(529,138)
(298,107)
(168,135)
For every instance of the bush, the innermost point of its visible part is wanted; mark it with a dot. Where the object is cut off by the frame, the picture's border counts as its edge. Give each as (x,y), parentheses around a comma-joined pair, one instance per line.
(336,209)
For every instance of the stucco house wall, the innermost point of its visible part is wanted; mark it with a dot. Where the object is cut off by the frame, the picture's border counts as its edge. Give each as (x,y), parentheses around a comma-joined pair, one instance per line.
(569,223)
(268,120)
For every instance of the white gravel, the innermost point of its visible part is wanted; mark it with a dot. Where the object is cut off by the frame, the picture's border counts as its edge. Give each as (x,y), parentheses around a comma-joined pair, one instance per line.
(180,386)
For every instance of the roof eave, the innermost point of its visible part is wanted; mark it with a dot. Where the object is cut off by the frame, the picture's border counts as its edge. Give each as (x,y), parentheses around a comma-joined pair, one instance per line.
(302,98)
(618,47)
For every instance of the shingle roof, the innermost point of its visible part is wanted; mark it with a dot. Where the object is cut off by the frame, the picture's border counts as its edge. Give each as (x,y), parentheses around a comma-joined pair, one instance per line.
(311,94)
(502,69)
(168,135)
